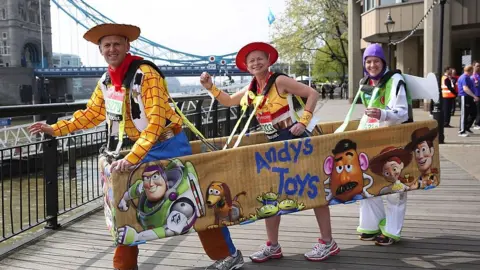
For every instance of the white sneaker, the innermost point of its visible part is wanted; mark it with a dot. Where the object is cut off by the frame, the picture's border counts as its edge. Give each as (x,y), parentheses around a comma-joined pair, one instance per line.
(321,251)
(266,253)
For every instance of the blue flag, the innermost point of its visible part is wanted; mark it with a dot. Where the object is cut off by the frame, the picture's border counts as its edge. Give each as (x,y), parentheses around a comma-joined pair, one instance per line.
(271,17)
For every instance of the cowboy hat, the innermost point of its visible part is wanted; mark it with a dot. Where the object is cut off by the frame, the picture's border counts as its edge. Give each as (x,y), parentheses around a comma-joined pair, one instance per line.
(131,32)
(377,162)
(240,60)
(420,135)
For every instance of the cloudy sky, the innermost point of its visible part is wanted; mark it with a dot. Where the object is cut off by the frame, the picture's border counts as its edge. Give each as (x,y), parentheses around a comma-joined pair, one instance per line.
(198,27)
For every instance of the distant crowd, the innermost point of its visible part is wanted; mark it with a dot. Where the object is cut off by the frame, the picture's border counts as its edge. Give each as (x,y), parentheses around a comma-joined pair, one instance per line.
(465,90)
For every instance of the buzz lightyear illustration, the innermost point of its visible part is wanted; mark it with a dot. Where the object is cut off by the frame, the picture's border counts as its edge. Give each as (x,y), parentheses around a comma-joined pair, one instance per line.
(169,203)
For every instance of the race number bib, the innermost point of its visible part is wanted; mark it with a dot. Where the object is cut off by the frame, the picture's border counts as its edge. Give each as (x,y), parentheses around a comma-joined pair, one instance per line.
(265,121)
(114,104)
(372,123)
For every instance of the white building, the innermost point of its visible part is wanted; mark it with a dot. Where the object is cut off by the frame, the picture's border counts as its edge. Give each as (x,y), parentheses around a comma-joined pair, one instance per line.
(66,60)
(418,54)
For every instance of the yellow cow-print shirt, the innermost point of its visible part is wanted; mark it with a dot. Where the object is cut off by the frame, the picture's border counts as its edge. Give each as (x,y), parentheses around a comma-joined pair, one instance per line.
(157,109)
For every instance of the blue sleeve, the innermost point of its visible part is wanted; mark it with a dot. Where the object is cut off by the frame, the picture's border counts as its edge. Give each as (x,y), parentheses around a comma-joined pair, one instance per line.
(461,82)
(469,83)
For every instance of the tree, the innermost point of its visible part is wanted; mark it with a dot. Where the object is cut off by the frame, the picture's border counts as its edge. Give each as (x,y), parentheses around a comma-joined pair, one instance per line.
(280,67)
(300,68)
(327,67)
(315,29)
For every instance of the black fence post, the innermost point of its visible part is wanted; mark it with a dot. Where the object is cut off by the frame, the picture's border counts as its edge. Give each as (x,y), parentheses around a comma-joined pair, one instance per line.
(72,159)
(215,119)
(228,125)
(50,177)
(198,117)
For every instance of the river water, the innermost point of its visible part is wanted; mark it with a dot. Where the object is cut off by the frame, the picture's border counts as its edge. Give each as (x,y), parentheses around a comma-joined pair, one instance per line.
(23,201)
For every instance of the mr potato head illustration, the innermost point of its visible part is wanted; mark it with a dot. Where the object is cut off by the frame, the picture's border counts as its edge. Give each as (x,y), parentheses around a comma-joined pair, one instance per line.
(346,168)
(423,151)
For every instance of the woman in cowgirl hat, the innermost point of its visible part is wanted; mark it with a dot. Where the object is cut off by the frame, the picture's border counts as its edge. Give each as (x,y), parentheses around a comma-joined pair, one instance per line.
(276,115)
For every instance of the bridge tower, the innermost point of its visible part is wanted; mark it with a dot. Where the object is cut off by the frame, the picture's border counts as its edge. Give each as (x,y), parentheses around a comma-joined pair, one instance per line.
(20,48)
(20,35)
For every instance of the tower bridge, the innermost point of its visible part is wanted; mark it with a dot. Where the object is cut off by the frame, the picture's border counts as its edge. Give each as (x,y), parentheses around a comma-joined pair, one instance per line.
(33,76)
(169,71)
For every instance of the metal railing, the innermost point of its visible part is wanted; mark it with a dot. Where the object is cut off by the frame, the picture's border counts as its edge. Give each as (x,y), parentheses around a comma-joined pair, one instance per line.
(48,177)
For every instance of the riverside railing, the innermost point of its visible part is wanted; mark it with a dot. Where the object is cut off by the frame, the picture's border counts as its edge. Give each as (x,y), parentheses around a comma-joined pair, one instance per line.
(47,177)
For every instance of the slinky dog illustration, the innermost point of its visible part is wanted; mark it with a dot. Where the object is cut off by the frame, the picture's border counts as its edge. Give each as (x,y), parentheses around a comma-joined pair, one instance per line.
(227,211)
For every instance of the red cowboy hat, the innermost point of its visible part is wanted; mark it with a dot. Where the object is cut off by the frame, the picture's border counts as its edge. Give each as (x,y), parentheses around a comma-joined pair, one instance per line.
(255,46)
(131,32)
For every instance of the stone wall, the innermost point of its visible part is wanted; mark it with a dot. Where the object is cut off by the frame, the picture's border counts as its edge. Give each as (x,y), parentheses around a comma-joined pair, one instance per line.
(14,81)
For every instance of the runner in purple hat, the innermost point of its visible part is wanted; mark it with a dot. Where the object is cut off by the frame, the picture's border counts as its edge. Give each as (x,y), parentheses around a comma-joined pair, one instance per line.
(384,94)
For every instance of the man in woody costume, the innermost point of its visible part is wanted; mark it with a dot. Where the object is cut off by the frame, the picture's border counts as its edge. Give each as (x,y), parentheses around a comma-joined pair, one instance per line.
(139,109)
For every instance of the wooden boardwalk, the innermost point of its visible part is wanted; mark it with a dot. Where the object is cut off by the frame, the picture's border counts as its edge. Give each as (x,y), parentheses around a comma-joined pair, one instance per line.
(442,231)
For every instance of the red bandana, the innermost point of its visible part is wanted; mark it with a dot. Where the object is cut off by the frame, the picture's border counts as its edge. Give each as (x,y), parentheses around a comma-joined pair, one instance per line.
(259,91)
(116,75)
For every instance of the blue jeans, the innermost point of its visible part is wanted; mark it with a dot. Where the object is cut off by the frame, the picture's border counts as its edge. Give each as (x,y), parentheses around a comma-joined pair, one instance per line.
(285,134)
(176,146)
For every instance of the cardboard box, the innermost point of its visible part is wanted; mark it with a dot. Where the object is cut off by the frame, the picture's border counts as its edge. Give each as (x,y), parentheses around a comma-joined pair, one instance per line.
(261,179)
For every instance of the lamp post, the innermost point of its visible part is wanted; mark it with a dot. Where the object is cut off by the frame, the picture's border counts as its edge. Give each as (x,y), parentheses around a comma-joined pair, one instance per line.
(389,24)
(438,107)
(310,58)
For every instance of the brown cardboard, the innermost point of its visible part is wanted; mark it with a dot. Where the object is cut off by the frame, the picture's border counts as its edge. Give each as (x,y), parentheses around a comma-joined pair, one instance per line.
(261,179)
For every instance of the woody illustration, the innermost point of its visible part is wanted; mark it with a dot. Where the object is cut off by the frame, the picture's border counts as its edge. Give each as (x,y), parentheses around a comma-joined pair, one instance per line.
(422,146)
(390,163)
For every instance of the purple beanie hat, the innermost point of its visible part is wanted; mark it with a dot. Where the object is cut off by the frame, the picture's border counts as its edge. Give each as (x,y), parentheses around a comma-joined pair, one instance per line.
(377,51)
